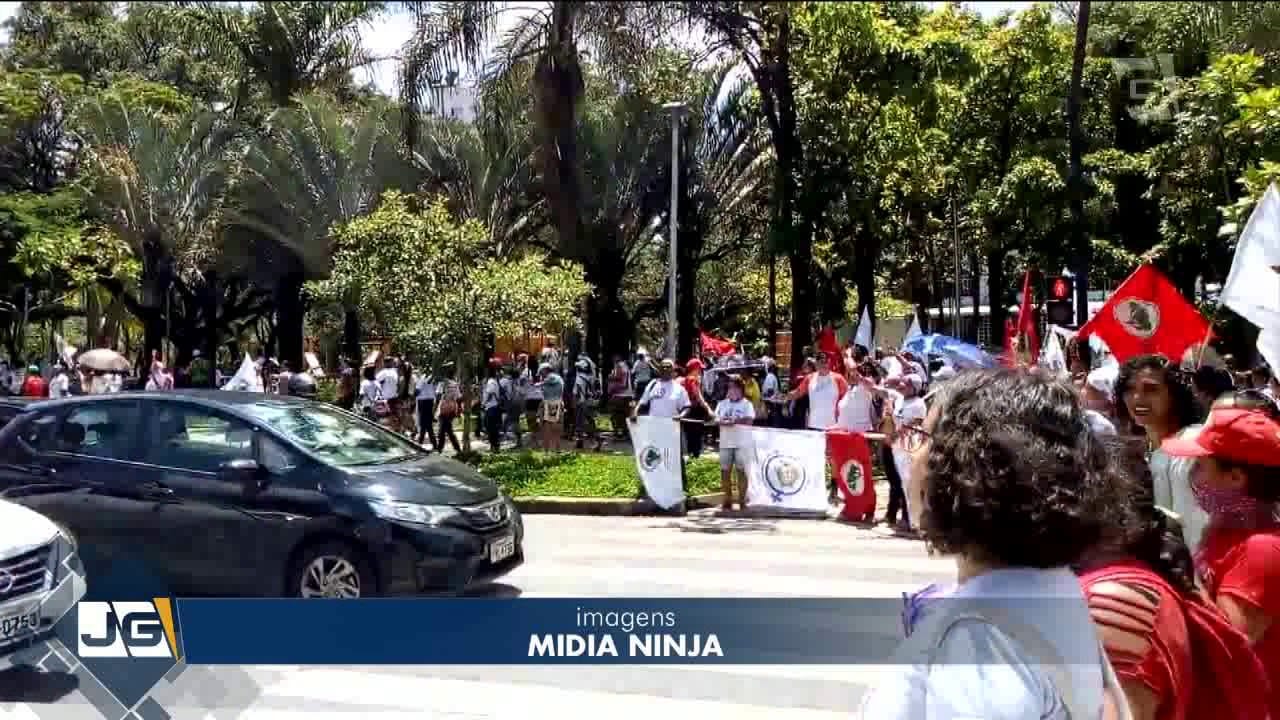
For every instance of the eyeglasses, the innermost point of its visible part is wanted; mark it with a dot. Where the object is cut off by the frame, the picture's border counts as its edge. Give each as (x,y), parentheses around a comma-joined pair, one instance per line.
(912,437)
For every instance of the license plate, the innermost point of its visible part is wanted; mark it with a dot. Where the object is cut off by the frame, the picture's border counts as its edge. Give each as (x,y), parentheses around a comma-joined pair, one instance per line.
(501,549)
(23,623)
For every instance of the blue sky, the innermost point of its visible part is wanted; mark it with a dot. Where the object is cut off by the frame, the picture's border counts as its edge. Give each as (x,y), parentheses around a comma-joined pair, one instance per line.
(385,37)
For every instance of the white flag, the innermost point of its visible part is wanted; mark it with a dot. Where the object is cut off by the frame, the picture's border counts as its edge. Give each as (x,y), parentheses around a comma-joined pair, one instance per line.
(787,469)
(1052,357)
(914,330)
(1269,347)
(246,378)
(656,443)
(1253,285)
(863,335)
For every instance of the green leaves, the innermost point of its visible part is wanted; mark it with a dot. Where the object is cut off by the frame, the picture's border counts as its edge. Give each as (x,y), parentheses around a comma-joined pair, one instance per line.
(435,283)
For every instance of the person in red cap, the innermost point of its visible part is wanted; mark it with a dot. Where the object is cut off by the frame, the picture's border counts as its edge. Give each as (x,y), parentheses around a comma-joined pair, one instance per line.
(700,411)
(1236,480)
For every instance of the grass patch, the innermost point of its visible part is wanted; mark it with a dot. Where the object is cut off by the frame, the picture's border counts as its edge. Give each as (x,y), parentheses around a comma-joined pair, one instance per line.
(588,475)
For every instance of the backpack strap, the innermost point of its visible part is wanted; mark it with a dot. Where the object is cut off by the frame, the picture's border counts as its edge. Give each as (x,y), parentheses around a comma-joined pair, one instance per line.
(1047,658)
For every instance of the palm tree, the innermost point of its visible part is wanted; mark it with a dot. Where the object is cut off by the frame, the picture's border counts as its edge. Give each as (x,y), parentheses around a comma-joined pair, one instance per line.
(543,53)
(159,185)
(288,48)
(760,35)
(312,168)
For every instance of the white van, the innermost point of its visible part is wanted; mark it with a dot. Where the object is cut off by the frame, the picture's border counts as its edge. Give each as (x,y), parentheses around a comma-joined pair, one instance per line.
(37,583)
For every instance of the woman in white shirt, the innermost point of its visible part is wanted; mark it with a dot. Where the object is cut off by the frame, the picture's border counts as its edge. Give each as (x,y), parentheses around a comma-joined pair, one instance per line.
(824,390)
(856,410)
(733,411)
(907,409)
(370,394)
(1154,398)
(424,387)
(665,396)
(1007,478)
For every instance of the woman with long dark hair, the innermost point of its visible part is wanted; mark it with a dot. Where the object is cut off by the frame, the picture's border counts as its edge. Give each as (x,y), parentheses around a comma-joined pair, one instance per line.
(1155,400)
(1175,655)
(1007,478)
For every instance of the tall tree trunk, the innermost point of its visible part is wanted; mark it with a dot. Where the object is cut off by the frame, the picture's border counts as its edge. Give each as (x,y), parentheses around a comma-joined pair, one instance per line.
(351,336)
(559,87)
(212,298)
(996,295)
(290,315)
(1081,248)
(975,296)
(790,158)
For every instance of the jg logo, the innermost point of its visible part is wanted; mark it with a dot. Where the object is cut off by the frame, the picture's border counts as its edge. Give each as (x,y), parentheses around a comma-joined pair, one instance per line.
(126,629)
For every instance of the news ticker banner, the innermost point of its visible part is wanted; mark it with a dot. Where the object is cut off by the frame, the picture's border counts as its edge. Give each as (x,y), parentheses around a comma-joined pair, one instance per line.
(132,653)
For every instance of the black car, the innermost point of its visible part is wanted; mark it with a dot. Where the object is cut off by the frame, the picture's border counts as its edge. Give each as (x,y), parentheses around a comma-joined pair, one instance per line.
(245,494)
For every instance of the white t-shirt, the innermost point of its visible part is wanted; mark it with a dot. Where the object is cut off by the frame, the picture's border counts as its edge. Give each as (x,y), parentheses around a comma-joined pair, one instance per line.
(732,436)
(389,381)
(824,395)
(666,398)
(1171,485)
(892,366)
(492,393)
(977,672)
(370,391)
(425,387)
(60,386)
(854,411)
(769,387)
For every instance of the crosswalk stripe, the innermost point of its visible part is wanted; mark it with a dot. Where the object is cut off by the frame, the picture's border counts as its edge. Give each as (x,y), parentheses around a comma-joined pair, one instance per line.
(822,563)
(382,692)
(621,581)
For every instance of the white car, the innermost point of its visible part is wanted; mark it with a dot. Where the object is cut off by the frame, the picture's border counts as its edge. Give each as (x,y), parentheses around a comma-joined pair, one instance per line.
(37,583)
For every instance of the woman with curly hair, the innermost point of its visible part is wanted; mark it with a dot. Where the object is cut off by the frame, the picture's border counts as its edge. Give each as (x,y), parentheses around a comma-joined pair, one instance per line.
(1155,399)
(1175,654)
(1007,478)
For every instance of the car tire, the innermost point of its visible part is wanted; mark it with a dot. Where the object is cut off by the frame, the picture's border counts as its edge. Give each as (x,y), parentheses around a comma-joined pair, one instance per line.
(332,569)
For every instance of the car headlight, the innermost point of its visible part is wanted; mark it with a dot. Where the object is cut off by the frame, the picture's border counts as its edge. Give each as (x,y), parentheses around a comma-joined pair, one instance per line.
(413,512)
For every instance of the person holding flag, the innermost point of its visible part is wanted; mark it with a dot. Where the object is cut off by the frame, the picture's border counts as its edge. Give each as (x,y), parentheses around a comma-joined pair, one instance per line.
(824,390)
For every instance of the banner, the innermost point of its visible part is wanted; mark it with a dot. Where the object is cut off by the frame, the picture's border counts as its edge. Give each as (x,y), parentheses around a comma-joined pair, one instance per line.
(851,460)
(656,443)
(787,469)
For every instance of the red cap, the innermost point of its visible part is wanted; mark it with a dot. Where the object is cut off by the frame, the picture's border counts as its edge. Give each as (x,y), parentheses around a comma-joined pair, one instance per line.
(694,364)
(1238,435)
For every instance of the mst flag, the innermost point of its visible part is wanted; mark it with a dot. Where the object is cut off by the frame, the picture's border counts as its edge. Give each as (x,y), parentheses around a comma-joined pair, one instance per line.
(851,461)
(1022,345)
(787,469)
(1147,315)
(656,442)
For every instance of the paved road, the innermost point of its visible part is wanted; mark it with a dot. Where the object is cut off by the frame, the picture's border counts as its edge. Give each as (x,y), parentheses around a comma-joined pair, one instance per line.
(699,556)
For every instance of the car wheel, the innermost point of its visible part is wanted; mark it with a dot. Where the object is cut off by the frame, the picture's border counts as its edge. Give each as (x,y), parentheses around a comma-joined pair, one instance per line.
(332,570)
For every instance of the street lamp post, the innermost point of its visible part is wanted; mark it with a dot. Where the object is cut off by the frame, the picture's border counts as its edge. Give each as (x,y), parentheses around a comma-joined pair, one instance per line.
(677,111)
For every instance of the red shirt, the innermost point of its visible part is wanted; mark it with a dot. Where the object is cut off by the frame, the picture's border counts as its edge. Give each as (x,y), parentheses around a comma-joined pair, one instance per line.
(34,386)
(1143,628)
(1245,565)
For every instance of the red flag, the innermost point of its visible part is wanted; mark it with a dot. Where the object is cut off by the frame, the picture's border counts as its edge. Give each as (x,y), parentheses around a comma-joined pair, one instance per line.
(828,345)
(1022,346)
(850,457)
(1147,315)
(714,346)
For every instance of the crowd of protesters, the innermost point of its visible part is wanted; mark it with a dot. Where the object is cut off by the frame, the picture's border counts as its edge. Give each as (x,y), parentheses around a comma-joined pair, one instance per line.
(1117,545)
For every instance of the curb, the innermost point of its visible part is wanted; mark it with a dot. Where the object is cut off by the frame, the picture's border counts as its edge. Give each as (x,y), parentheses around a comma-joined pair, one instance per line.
(607,507)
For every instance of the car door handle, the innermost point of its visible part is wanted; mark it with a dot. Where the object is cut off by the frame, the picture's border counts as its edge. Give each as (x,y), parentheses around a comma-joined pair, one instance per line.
(155,490)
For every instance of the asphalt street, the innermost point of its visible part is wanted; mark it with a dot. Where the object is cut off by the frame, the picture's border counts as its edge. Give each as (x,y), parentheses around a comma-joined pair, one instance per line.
(702,555)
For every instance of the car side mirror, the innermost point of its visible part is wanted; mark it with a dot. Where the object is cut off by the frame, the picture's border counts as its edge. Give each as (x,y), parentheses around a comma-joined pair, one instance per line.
(244,472)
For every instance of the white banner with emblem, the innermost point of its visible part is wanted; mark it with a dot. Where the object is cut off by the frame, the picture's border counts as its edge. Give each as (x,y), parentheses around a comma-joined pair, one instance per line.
(787,470)
(656,442)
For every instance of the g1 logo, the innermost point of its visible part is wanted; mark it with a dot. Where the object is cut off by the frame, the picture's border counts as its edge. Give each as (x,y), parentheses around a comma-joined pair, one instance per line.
(122,629)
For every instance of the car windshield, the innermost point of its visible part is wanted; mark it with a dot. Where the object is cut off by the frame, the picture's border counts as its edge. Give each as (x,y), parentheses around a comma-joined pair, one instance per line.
(334,436)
